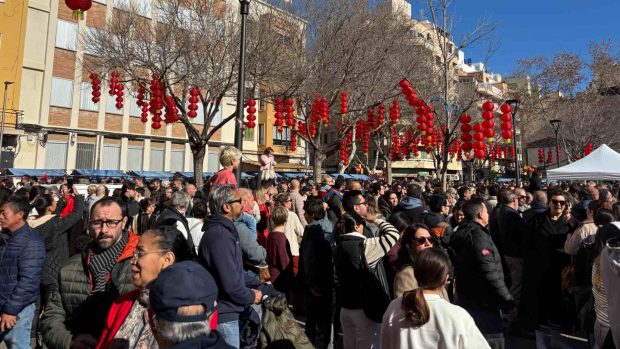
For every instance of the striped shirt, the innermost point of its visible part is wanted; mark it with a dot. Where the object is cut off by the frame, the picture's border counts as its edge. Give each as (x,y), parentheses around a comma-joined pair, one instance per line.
(377,247)
(600,295)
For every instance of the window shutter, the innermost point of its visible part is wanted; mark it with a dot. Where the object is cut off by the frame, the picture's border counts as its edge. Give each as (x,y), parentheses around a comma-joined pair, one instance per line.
(111,157)
(62,92)
(66,35)
(56,155)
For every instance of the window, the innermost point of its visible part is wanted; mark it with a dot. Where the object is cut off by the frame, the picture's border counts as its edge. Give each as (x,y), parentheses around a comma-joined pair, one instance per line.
(261,100)
(157,159)
(85,158)
(105,2)
(56,155)
(261,134)
(248,134)
(283,138)
(143,7)
(86,102)
(111,158)
(90,34)
(66,35)
(121,4)
(110,105)
(213,162)
(134,110)
(135,155)
(177,159)
(62,92)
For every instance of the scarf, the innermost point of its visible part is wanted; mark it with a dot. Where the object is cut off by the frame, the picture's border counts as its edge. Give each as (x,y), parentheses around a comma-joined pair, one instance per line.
(101,264)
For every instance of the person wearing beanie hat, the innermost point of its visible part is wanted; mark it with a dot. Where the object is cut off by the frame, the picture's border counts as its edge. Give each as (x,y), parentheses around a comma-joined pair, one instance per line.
(183,299)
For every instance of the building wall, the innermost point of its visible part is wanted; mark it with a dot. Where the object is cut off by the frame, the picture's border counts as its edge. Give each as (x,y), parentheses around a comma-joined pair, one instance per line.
(115,138)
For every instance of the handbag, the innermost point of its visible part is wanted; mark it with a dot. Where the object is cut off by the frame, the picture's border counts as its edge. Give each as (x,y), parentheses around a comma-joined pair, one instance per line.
(376,292)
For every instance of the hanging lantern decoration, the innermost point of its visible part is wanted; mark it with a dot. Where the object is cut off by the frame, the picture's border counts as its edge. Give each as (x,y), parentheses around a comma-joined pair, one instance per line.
(541,156)
(156,102)
(301,127)
(344,102)
(394,113)
(549,156)
(140,102)
(415,150)
(278,114)
(96,87)
(370,120)
(251,110)
(289,117)
(116,89)
(293,146)
(193,103)
(380,116)
(478,145)
(395,153)
(588,150)
(506,125)
(78,7)
(324,110)
(466,136)
(172,112)
(512,152)
(488,124)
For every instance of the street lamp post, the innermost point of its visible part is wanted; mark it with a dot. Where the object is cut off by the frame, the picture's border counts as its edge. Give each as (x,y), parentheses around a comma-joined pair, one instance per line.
(6,87)
(514,103)
(244,9)
(555,123)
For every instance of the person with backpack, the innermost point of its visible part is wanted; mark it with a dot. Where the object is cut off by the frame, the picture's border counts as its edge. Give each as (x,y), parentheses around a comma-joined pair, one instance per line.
(361,280)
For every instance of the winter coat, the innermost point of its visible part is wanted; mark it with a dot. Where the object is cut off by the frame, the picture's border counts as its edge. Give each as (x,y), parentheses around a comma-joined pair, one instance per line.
(219,252)
(414,208)
(173,218)
(21,264)
(53,229)
(280,330)
(253,253)
(213,341)
(478,269)
(533,211)
(316,269)
(73,309)
(510,228)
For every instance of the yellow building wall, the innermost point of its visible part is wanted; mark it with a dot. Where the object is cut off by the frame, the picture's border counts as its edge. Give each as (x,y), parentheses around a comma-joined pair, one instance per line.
(13,14)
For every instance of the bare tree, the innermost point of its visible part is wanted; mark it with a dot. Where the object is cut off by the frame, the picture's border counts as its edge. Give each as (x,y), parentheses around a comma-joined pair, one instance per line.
(191,45)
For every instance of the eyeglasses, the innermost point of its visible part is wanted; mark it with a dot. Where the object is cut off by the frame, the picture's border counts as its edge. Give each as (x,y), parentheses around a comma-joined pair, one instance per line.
(110,223)
(139,254)
(522,197)
(233,201)
(362,203)
(423,239)
(558,202)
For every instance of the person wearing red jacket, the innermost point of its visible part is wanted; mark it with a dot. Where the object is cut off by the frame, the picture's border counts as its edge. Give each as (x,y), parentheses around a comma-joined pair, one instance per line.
(127,321)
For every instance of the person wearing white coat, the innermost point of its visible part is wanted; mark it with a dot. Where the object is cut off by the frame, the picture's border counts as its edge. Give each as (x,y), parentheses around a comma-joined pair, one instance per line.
(421,319)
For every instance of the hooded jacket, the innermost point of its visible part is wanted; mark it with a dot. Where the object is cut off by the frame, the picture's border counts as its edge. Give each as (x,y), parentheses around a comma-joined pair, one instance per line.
(478,269)
(414,207)
(610,272)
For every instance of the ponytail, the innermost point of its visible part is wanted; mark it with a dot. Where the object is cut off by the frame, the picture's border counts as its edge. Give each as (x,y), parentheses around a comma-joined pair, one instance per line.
(415,307)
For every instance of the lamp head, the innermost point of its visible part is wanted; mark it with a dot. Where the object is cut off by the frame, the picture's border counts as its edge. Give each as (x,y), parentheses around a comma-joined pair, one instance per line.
(7,83)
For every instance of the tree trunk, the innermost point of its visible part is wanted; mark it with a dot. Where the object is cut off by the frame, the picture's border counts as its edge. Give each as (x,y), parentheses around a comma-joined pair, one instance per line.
(318,158)
(198,153)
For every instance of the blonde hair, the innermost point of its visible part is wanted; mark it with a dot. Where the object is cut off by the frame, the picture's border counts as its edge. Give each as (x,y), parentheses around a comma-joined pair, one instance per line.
(228,155)
(260,195)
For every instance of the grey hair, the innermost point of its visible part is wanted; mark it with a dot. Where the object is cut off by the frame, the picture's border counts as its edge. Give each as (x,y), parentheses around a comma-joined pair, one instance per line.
(219,196)
(180,200)
(177,332)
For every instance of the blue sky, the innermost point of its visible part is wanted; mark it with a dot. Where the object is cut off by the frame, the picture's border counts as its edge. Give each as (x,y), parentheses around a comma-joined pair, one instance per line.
(529,28)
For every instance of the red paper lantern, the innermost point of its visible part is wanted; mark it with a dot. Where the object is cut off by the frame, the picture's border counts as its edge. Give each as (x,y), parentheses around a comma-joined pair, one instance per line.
(380,115)
(96,87)
(344,102)
(505,108)
(251,110)
(78,7)
(488,106)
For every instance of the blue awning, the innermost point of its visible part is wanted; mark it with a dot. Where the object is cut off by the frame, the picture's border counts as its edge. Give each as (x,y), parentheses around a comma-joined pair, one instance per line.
(191,174)
(35,172)
(344,175)
(293,174)
(361,177)
(151,174)
(100,173)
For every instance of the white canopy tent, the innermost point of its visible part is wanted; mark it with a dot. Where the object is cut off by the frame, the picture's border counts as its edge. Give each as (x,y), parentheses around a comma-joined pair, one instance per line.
(601,164)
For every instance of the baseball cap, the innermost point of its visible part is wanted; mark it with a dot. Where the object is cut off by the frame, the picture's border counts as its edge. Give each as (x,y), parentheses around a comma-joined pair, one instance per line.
(181,284)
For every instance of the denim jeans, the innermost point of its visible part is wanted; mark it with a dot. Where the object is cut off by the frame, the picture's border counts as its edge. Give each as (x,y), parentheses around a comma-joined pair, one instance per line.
(19,336)
(230,332)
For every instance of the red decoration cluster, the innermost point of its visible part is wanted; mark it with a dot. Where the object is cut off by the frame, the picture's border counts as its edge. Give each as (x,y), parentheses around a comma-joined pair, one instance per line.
(394,112)
(157,100)
(144,106)
(466,136)
(293,146)
(415,150)
(192,104)
(549,156)
(172,113)
(370,120)
(588,149)
(78,7)
(278,114)
(344,102)
(506,125)
(251,110)
(541,155)
(478,145)
(395,152)
(380,116)
(324,111)
(289,110)
(301,126)
(362,132)
(116,88)
(488,124)
(96,87)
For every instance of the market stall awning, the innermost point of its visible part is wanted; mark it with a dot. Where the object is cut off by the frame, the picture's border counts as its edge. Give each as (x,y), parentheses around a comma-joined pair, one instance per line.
(602,164)
(190,174)
(293,174)
(100,173)
(151,174)
(251,165)
(35,172)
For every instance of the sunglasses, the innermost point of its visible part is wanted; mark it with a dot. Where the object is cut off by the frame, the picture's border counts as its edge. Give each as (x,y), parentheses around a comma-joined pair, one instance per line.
(558,202)
(232,202)
(423,239)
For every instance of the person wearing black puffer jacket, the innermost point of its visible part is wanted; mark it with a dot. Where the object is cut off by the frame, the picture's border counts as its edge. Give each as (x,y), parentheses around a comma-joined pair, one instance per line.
(478,272)
(53,229)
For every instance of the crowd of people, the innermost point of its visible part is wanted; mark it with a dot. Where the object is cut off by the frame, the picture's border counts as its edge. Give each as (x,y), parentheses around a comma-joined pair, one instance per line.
(329,264)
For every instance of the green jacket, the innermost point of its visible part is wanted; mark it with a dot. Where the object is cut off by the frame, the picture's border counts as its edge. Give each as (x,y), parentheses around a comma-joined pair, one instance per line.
(73,309)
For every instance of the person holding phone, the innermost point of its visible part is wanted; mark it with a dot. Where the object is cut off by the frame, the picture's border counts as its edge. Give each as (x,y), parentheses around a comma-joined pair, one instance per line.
(544,260)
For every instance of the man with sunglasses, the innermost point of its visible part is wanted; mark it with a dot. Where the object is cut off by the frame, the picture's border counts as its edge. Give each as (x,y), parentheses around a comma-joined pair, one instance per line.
(90,281)
(541,306)
(479,276)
